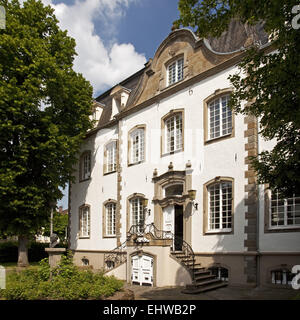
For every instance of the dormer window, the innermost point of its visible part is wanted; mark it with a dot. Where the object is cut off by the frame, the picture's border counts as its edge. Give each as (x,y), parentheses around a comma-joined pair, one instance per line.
(120,97)
(175,71)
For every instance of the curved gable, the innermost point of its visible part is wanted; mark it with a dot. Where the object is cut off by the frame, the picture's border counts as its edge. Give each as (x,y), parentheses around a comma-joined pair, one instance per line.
(181,43)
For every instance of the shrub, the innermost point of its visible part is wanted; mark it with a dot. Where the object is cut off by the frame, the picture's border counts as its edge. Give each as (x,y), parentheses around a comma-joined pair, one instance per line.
(65,281)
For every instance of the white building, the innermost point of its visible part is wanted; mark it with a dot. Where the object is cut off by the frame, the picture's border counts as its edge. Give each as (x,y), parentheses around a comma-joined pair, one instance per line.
(161,136)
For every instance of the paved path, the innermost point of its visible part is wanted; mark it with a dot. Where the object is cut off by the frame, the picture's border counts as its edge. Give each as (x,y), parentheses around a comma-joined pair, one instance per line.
(228,293)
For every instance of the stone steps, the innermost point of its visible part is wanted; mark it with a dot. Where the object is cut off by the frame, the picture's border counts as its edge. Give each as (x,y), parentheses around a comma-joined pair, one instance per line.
(203,281)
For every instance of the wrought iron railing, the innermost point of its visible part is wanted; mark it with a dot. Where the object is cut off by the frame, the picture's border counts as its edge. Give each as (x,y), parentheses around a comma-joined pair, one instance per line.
(116,257)
(141,230)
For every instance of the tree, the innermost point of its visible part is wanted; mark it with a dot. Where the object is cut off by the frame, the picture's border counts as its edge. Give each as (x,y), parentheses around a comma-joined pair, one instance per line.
(44,115)
(60,223)
(269,81)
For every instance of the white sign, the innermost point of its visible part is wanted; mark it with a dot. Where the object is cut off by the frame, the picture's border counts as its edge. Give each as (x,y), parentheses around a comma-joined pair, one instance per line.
(2,17)
(296,19)
(296,279)
(2,277)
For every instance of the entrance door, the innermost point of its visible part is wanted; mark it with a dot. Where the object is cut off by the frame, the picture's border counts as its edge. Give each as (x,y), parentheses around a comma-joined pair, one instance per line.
(142,270)
(178,227)
(173,221)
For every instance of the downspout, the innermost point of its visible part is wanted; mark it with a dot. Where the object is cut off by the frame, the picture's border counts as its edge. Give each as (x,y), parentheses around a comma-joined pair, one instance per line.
(257,220)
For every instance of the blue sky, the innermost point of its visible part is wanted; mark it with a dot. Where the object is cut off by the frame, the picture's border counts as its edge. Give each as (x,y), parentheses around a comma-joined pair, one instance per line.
(114,38)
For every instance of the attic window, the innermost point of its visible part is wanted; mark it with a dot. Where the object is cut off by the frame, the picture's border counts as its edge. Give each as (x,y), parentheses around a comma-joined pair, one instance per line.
(175,71)
(120,97)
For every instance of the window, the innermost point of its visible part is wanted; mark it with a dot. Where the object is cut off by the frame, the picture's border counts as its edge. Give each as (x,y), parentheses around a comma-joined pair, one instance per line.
(85,166)
(220,206)
(219,118)
(175,71)
(282,276)
(110,221)
(284,213)
(137,213)
(84,221)
(174,190)
(173,133)
(220,272)
(137,145)
(110,157)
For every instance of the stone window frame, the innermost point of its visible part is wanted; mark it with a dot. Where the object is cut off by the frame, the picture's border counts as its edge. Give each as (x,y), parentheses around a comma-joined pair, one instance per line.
(105,172)
(216,95)
(128,215)
(267,216)
(129,148)
(167,116)
(104,212)
(81,165)
(89,221)
(170,62)
(209,183)
(268,275)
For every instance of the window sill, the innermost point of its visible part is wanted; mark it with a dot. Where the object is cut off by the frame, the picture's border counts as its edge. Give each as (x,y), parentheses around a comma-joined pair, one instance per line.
(135,163)
(224,137)
(171,153)
(109,237)
(82,237)
(168,86)
(221,231)
(108,173)
(283,229)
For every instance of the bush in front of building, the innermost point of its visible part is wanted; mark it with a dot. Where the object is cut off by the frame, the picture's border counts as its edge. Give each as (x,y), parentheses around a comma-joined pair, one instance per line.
(65,282)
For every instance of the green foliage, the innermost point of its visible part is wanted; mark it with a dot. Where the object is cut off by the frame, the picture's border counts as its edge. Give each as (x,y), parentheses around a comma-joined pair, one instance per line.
(271,82)
(44,115)
(60,223)
(65,282)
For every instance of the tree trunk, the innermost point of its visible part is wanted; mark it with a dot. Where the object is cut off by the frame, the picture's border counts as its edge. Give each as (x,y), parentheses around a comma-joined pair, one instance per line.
(23,251)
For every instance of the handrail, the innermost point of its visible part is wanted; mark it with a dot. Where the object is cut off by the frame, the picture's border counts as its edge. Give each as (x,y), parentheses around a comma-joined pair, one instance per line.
(187,251)
(141,230)
(117,256)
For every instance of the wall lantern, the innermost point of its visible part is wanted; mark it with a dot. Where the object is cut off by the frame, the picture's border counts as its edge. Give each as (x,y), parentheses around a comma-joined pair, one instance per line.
(192,197)
(145,205)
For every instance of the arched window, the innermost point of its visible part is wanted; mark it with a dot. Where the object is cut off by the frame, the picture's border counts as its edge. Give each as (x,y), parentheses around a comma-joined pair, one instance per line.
(137,145)
(218,205)
(172,128)
(84,221)
(110,157)
(110,219)
(85,166)
(137,213)
(218,117)
(174,190)
(175,71)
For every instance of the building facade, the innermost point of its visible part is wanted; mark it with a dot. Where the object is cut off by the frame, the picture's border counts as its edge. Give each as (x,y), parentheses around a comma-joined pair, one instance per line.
(164,189)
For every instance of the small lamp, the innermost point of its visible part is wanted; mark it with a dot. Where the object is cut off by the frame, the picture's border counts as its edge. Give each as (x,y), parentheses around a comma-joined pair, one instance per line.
(145,205)
(192,196)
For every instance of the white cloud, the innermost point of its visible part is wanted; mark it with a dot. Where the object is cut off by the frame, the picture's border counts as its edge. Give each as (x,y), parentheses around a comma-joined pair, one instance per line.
(104,65)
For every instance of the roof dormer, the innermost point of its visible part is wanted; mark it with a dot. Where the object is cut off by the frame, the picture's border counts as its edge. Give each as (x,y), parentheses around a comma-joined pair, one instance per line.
(120,97)
(97,111)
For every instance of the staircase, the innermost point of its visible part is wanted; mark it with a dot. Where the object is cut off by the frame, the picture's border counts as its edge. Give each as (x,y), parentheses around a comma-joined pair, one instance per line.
(203,279)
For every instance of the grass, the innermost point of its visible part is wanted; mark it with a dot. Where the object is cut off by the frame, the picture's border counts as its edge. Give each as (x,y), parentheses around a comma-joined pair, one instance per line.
(15,264)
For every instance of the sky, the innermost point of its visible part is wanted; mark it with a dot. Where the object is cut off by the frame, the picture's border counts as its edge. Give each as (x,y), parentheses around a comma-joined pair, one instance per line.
(114,38)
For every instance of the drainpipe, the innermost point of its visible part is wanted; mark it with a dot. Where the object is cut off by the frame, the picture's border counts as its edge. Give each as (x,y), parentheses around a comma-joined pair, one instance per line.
(257,221)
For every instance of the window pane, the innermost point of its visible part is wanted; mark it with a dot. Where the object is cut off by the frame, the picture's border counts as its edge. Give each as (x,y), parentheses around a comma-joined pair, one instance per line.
(111,152)
(137,142)
(111,219)
(137,213)
(174,133)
